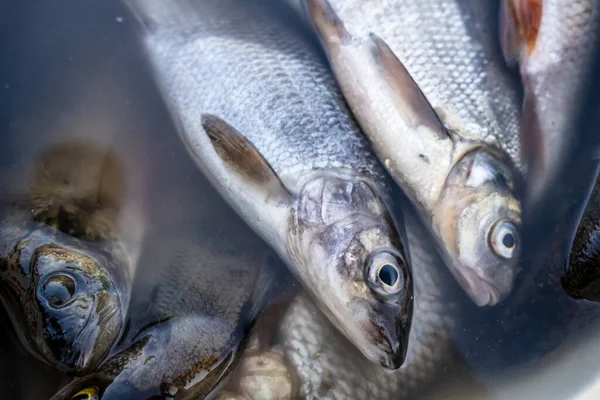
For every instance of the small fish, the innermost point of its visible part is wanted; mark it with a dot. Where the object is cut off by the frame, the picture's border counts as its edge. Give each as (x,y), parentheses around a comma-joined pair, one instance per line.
(320,364)
(202,282)
(65,276)
(260,112)
(427,84)
(552,41)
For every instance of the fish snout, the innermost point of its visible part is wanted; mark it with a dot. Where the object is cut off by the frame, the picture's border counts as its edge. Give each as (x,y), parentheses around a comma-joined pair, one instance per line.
(488,289)
(394,342)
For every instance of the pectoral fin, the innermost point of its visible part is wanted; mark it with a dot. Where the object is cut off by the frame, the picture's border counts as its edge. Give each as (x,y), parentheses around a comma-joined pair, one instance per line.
(243,159)
(408,94)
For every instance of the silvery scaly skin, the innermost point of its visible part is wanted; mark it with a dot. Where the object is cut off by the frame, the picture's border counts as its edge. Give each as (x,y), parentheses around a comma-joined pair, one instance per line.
(260,112)
(552,41)
(425,79)
(321,365)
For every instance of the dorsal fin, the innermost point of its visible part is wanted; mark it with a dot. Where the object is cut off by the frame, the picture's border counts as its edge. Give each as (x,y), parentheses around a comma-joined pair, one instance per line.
(241,157)
(406,89)
(326,22)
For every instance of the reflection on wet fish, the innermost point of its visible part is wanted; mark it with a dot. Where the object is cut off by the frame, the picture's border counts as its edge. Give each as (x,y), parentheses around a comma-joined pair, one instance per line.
(327,366)
(582,277)
(261,113)
(450,136)
(552,41)
(65,276)
(201,284)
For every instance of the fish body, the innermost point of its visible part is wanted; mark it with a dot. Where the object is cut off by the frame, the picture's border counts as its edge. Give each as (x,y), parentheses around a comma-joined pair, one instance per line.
(323,365)
(65,276)
(261,113)
(427,83)
(203,279)
(552,42)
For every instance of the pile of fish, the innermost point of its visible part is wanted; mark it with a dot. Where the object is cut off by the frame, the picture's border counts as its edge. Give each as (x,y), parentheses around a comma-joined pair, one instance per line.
(396,157)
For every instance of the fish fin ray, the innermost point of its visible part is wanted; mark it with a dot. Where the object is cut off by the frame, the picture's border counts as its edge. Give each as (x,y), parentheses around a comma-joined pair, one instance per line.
(519,26)
(242,158)
(326,22)
(404,86)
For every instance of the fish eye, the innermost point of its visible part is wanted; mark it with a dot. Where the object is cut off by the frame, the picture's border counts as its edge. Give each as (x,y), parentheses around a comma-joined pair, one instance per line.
(58,290)
(385,273)
(90,393)
(504,239)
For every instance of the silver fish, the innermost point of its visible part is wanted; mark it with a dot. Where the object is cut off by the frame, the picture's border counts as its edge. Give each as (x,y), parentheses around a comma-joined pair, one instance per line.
(552,41)
(452,147)
(321,365)
(187,330)
(261,114)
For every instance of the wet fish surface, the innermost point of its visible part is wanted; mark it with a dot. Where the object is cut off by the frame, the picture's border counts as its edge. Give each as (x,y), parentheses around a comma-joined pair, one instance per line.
(328,368)
(552,43)
(65,276)
(427,82)
(204,277)
(261,113)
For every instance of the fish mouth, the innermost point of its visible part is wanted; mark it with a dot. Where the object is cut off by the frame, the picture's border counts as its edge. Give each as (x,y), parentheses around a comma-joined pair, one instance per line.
(391,336)
(482,290)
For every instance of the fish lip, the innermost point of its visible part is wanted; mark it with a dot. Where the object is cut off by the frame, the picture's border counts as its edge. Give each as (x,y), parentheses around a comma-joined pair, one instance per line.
(482,290)
(394,340)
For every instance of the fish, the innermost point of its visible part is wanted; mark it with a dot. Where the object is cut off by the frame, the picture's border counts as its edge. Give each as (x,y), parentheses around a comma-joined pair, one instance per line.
(65,274)
(580,278)
(261,114)
(204,278)
(552,44)
(428,85)
(320,364)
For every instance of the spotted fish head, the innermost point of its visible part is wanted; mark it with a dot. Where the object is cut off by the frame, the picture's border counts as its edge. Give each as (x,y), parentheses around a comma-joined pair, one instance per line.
(63,302)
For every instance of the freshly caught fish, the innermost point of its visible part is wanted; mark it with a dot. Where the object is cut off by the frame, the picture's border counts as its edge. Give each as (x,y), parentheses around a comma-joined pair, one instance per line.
(553,43)
(450,136)
(65,277)
(261,114)
(204,277)
(324,366)
(582,277)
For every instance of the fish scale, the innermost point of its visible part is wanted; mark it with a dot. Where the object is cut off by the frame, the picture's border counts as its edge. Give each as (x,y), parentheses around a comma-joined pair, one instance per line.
(312,102)
(482,104)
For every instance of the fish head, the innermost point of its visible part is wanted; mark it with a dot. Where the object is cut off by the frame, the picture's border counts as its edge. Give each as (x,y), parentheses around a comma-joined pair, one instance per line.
(63,303)
(479,222)
(347,244)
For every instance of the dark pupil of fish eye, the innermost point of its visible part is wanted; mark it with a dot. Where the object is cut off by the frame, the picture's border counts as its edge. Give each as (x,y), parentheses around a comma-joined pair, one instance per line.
(58,290)
(388,274)
(508,240)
